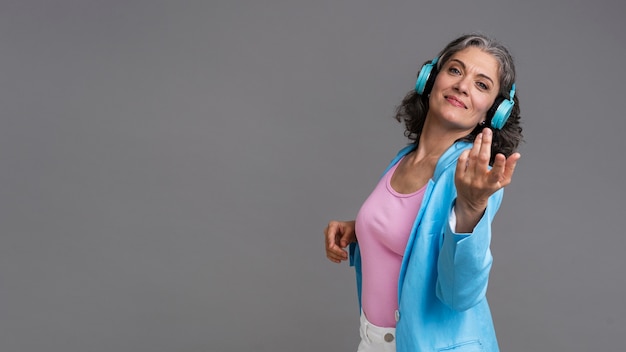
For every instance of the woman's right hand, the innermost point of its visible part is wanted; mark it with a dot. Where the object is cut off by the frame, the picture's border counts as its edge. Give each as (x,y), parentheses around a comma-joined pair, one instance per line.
(338,235)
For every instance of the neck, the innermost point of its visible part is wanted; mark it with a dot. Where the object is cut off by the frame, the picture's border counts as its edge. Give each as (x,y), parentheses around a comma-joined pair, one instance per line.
(436,139)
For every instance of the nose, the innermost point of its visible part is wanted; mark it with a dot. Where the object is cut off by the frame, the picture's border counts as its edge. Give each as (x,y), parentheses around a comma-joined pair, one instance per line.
(462,85)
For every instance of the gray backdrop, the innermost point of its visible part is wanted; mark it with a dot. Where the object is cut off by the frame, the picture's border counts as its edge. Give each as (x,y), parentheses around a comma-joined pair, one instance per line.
(167,169)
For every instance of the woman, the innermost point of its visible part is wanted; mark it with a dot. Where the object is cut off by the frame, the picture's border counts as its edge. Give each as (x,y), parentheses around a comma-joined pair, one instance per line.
(420,242)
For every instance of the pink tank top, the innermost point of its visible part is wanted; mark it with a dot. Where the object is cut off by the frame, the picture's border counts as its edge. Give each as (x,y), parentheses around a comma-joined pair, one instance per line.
(383,226)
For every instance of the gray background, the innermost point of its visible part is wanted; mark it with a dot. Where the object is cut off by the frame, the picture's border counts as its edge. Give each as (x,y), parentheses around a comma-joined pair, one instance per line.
(167,169)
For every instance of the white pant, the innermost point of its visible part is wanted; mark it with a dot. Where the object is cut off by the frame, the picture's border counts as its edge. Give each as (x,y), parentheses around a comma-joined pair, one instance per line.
(375,338)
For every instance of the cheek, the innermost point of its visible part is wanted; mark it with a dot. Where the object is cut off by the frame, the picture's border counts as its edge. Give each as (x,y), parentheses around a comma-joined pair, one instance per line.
(440,82)
(484,105)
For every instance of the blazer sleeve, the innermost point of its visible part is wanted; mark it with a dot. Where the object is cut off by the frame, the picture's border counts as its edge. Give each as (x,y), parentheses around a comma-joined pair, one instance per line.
(465,260)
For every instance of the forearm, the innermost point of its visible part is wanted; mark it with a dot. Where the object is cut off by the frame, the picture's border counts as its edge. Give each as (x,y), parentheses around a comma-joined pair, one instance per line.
(464,263)
(468,215)
(465,259)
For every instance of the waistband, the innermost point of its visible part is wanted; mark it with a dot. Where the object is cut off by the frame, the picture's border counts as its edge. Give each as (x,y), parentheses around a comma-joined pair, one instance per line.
(376,334)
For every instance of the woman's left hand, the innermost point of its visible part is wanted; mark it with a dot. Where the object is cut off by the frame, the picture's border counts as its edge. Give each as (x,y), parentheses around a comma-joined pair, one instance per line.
(475,182)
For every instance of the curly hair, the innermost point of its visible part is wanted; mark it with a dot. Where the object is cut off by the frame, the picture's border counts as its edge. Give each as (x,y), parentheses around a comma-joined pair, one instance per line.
(414,107)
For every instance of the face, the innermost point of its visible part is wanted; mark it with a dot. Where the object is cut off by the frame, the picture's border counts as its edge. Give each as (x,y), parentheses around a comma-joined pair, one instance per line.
(464,89)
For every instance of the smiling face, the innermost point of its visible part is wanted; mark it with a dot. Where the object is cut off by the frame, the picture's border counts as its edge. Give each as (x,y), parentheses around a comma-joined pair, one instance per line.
(464,90)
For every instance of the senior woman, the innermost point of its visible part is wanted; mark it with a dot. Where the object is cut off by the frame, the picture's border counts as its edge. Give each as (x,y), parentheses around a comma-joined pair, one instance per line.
(420,242)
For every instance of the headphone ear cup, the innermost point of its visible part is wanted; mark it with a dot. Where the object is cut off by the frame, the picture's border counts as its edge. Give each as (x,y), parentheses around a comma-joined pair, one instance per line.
(500,112)
(430,82)
(426,78)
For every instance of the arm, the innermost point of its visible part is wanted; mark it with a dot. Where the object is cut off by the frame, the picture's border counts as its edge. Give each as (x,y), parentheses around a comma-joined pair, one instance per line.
(465,259)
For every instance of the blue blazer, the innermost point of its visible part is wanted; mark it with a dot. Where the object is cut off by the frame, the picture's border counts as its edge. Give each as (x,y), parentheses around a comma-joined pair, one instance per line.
(443,278)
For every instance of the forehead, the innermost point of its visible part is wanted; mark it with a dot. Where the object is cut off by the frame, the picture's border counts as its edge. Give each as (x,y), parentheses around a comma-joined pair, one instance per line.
(477,60)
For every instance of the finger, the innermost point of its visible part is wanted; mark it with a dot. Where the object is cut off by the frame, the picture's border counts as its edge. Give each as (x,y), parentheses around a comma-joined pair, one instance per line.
(461,164)
(511,163)
(336,254)
(496,174)
(475,151)
(344,239)
(340,254)
(330,234)
(503,169)
(336,258)
(485,149)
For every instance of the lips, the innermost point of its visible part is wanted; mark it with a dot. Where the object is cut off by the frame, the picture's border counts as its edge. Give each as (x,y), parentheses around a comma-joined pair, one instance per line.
(456,102)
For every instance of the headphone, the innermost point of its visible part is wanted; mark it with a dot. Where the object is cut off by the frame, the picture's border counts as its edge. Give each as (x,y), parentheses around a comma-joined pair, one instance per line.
(498,113)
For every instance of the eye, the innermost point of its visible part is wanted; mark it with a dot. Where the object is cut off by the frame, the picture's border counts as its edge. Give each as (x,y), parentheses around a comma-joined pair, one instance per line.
(453,70)
(482,85)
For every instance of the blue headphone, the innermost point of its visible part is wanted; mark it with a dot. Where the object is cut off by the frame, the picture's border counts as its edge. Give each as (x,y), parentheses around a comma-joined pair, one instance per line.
(497,114)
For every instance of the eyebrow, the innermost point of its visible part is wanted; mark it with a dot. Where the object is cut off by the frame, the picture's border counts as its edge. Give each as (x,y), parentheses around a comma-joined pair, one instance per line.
(480,74)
